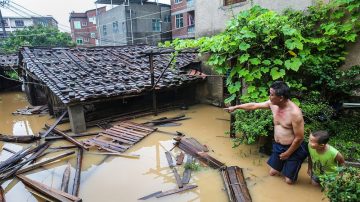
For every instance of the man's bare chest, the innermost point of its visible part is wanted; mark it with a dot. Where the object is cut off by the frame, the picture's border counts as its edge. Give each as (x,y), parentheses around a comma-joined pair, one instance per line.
(282,117)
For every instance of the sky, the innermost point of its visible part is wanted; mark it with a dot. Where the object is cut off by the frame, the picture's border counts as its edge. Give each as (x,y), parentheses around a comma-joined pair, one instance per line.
(59,9)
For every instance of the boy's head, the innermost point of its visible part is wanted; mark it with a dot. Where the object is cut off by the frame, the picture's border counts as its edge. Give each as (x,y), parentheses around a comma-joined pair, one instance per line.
(319,139)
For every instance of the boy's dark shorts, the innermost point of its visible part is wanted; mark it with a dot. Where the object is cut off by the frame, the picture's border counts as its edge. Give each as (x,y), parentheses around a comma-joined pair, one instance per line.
(291,166)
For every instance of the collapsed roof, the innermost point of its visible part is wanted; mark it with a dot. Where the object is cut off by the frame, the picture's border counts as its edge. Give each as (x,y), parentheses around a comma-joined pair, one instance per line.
(87,74)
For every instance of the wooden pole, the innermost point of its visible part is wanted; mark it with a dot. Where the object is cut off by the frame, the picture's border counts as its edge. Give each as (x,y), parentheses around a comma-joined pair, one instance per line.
(55,124)
(151,62)
(70,139)
(66,179)
(76,186)
(39,164)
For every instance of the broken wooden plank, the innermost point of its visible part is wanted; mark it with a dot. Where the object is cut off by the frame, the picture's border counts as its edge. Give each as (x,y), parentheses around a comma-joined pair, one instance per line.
(150,195)
(77,177)
(174,191)
(70,139)
(46,190)
(66,179)
(55,124)
(115,154)
(187,171)
(180,158)
(19,139)
(176,174)
(235,184)
(39,164)
(2,195)
(73,136)
(119,139)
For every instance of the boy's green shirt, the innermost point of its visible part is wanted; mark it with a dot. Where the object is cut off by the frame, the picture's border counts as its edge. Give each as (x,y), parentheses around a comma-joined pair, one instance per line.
(323,163)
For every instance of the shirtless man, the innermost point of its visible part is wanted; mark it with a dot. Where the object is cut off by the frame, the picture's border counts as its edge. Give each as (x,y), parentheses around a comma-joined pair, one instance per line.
(289,150)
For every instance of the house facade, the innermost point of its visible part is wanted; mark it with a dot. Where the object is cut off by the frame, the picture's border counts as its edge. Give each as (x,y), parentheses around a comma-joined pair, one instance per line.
(183,18)
(84,27)
(18,23)
(135,22)
(216,13)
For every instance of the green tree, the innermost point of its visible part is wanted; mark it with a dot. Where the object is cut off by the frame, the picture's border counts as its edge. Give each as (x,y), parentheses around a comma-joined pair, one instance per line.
(36,36)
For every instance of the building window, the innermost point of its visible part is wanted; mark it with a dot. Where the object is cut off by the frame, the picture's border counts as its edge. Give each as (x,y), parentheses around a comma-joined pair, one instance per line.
(156,26)
(179,20)
(77,24)
(79,41)
(178,1)
(84,24)
(92,20)
(93,35)
(115,27)
(19,23)
(104,30)
(229,2)
(86,39)
(167,18)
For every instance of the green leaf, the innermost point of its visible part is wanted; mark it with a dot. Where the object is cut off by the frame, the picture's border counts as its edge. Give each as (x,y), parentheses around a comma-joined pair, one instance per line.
(278,62)
(276,74)
(243,58)
(294,43)
(265,69)
(288,31)
(244,46)
(350,37)
(233,88)
(243,72)
(296,101)
(251,89)
(293,64)
(255,61)
(266,62)
(229,99)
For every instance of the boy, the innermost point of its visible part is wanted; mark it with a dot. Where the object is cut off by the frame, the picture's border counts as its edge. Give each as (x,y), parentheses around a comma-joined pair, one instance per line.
(323,158)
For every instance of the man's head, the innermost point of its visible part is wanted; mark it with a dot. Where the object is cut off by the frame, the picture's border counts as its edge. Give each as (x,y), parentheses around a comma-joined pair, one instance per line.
(319,139)
(279,92)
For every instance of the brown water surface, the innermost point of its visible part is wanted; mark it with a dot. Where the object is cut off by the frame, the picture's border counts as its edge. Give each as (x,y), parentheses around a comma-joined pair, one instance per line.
(109,179)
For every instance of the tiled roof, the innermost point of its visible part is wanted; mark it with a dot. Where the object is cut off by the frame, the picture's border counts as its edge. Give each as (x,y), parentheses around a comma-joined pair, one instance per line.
(9,61)
(86,74)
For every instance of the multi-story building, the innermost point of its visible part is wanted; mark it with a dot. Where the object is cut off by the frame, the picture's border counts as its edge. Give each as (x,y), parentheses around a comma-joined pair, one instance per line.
(134,22)
(216,13)
(183,18)
(18,23)
(84,27)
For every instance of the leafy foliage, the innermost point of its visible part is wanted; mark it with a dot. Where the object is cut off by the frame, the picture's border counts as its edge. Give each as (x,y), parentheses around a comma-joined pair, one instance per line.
(36,36)
(192,166)
(343,187)
(252,124)
(304,49)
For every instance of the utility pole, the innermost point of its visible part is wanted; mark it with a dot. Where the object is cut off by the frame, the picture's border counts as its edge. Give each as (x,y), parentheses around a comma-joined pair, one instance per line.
(3,3)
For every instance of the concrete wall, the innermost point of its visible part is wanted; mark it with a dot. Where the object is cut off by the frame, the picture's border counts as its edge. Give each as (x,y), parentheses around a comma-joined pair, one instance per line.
(107,19)
(212,15)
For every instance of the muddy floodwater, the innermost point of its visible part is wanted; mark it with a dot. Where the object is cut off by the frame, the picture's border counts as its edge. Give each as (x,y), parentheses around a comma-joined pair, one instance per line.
(114,179)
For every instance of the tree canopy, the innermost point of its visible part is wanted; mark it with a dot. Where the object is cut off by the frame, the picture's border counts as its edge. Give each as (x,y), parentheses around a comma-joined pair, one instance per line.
(36,36)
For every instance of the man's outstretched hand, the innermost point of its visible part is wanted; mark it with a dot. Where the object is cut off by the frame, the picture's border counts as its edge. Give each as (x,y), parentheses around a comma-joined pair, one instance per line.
(230,109)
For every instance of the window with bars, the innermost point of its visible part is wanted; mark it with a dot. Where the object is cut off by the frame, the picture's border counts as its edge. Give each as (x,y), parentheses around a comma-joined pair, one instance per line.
(229,2)
(179,19)
(19,23)
(104,30)
(79,41)
(156,26)
(115,27)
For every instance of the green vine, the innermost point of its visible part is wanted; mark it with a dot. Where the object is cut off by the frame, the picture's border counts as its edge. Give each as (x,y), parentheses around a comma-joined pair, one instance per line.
(305,49)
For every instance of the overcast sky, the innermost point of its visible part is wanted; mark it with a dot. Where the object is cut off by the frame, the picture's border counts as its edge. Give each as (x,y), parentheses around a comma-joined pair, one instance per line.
(59,9)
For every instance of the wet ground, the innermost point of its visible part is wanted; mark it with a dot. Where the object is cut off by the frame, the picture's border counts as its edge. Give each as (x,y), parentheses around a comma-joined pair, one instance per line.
(106,178)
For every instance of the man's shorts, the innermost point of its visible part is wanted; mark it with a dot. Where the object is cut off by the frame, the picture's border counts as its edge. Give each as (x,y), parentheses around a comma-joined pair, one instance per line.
(290,167)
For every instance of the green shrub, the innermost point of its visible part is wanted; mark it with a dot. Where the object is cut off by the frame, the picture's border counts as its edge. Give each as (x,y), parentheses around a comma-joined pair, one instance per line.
(252,124)
(344,187)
